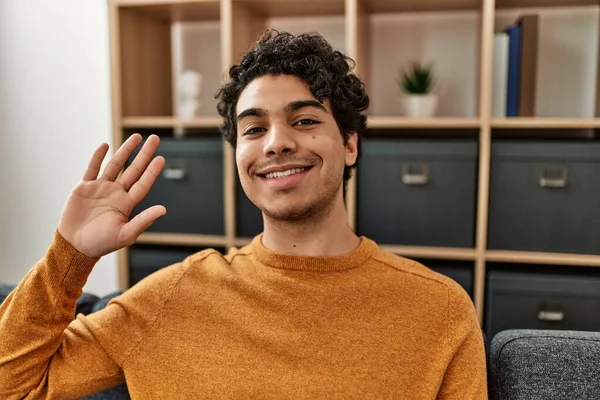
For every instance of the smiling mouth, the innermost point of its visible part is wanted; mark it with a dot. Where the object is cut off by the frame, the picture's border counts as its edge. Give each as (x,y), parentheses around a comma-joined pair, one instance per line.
(283,174)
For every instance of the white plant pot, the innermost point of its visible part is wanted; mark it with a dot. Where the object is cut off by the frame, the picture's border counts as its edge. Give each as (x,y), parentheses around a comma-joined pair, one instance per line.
(419,105)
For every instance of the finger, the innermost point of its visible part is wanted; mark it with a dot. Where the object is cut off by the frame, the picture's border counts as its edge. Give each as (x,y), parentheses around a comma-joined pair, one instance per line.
(138,166)
(114,167)
(134,228)
(140,189)
(95,163)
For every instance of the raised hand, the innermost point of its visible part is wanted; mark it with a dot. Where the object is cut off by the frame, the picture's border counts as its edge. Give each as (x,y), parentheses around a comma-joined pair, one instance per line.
(95,219)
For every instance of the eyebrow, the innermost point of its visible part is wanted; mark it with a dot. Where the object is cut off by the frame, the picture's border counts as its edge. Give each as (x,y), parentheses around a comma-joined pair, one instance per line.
(293,106)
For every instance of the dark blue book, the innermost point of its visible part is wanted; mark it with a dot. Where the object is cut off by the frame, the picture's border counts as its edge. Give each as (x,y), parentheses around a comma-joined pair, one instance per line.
(514,70)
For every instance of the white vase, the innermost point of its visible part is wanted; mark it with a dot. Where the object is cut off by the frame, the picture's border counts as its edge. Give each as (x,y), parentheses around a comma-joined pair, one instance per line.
(419,105)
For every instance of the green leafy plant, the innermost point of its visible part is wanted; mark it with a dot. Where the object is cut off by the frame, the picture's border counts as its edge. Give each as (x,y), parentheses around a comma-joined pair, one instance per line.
(417,79)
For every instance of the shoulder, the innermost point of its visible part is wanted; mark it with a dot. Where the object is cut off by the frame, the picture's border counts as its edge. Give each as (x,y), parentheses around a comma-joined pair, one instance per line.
(422,281)
(435,294)
(414,270)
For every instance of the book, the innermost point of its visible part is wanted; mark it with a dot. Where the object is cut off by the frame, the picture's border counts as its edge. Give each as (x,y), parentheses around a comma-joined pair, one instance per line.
(500,75)
(528,69)
(514,70)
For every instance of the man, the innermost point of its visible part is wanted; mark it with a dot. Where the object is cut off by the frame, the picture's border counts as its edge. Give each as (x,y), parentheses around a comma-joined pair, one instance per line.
(307,310)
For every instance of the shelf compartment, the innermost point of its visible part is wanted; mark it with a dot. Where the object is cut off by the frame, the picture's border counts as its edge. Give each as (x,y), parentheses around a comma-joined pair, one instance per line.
(171,122)
(158,41)
(250,18)
(528,257)
(447,41)
(181,239)
(550,76)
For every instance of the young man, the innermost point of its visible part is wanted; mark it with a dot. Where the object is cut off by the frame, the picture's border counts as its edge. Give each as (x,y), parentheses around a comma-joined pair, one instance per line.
(307,310)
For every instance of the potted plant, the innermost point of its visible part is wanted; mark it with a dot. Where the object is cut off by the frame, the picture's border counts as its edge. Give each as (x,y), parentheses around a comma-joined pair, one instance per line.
(417,83)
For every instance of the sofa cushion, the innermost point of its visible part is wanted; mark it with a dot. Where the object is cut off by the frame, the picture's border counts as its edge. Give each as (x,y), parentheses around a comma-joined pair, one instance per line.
(545,364)
(85,303)
(5,291)
(103,302)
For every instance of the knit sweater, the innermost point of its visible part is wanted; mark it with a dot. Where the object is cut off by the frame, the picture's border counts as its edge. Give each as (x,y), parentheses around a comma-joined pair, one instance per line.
(251,324)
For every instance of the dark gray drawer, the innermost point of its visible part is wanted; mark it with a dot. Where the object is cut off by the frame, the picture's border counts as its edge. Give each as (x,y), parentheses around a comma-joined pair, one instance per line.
(249,221)
(522,300)
(146,259)
(544,196)
(417,192)
(190,187)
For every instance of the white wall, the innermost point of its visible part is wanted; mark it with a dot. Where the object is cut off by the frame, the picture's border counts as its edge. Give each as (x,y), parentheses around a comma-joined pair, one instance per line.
(54,111)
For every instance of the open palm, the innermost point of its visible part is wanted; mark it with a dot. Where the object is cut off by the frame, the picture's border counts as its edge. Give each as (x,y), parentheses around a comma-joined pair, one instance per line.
(95,219)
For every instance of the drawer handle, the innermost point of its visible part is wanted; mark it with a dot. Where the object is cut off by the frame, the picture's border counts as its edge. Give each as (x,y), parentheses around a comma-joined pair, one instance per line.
(415,174)
(551,316)
(173,174)
(554,178)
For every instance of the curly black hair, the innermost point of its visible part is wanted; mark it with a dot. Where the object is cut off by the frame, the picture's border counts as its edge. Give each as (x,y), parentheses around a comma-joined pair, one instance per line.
(308,56)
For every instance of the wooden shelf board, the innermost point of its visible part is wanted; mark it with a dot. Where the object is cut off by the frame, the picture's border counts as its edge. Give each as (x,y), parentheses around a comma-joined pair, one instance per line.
(402,122)
(180,10)
(171,122)
(543,3)
(242,241)
(383,6)
(542,258)
(293,8)
(181,239)
(446,253)
(545,123)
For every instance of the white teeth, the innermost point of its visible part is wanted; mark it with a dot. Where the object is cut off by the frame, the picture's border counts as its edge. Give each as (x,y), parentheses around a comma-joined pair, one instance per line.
(281,174)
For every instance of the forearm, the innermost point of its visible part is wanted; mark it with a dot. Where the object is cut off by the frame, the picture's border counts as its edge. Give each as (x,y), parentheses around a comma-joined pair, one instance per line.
(35,315)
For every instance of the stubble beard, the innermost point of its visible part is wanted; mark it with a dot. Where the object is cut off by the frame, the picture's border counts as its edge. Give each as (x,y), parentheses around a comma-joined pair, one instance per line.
(311,212)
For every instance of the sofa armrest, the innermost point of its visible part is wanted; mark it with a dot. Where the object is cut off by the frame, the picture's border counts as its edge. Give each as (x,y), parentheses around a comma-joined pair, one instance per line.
(545,364)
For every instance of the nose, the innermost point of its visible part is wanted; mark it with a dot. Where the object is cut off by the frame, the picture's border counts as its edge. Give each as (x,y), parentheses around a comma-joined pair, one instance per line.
(280,140)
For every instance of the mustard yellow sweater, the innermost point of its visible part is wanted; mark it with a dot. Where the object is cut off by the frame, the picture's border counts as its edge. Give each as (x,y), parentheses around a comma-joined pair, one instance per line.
(252,324)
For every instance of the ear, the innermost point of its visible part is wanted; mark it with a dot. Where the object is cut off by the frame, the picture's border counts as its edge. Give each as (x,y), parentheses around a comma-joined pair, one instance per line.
(351,149)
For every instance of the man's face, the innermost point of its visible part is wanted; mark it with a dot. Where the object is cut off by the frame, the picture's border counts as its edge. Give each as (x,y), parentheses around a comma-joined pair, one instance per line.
(290,153)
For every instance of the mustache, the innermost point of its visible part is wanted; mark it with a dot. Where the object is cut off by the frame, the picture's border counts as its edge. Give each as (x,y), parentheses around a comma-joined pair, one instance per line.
(309,161)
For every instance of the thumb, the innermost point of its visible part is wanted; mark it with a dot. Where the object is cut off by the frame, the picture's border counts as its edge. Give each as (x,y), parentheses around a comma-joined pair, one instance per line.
(134,228)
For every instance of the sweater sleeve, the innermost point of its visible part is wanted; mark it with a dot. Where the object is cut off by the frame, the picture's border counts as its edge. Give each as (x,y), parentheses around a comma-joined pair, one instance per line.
(466,376)
(47,354)
(43,353)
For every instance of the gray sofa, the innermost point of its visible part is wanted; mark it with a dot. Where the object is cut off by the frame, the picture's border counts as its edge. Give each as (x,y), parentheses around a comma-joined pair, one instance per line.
(545,365)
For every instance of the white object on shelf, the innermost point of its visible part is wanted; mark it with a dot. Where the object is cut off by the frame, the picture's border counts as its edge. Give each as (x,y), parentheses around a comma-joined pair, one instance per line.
(500,79)
(419,105)
(189,86)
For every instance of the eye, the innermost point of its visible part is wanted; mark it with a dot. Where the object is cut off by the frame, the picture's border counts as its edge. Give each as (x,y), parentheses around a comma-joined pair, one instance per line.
(254,131)
(306,121)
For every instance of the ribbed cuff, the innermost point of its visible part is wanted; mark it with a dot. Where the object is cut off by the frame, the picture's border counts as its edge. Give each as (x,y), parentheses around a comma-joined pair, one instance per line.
(65,261)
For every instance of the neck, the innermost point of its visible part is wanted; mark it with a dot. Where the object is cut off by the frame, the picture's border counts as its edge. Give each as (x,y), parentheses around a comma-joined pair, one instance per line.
(328,234)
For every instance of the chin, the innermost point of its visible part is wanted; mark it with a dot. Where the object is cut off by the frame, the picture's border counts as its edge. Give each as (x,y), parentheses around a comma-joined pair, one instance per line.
(290,212)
